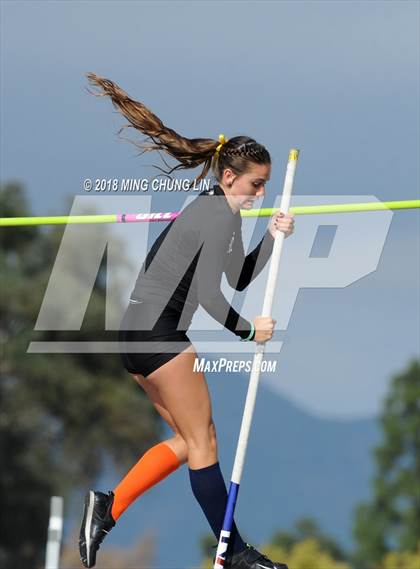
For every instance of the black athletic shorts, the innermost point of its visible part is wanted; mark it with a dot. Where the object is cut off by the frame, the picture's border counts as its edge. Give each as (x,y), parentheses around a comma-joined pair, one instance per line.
(152,345)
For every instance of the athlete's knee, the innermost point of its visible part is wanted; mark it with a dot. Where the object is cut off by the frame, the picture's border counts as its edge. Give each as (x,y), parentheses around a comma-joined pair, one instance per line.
(179,439)
(204,439)
(179,446)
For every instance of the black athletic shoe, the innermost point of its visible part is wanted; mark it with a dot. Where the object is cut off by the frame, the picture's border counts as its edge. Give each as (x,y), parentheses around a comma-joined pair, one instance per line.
(97,523)
(250,558)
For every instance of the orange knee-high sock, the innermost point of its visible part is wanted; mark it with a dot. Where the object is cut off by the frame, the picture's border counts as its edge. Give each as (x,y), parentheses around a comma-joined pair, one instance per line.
(157,463)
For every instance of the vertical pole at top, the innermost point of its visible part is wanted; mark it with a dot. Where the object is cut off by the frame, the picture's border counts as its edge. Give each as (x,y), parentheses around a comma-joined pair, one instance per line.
(55,532)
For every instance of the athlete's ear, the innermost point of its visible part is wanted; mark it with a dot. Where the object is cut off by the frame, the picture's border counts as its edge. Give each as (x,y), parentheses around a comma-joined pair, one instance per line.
(228,176)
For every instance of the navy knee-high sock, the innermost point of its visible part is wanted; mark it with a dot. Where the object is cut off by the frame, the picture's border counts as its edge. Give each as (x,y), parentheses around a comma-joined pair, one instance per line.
(210,491)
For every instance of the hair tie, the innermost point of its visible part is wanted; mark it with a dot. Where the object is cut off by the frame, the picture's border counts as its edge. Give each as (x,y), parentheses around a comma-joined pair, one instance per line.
(222,141)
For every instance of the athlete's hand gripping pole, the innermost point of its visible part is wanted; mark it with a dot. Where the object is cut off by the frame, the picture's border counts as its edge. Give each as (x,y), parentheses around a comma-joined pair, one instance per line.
(255,373)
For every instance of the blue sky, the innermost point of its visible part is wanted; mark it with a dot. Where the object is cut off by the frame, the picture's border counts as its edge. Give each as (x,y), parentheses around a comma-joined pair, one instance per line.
(339,80)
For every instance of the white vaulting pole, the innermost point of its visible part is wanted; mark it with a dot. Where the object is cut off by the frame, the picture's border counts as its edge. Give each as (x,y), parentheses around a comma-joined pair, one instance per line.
(255,373)
(55,530)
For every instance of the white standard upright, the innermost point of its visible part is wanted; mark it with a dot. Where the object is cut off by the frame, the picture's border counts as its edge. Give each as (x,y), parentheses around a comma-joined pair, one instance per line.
(55,531)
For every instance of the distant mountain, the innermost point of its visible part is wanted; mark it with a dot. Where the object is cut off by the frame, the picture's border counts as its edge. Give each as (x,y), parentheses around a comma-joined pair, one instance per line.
(297,465)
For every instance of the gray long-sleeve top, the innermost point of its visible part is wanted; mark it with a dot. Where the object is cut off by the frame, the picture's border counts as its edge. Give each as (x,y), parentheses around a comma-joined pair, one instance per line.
(184,266)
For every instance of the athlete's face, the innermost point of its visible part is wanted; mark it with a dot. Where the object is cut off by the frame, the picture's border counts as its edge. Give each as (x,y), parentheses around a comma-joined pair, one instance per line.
(247,187)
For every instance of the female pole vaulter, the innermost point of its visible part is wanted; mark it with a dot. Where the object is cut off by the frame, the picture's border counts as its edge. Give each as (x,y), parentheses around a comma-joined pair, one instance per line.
(183,270)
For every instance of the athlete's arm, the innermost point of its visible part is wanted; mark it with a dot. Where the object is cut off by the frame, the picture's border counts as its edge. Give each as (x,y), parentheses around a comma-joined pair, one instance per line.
(242,270)
(215,236)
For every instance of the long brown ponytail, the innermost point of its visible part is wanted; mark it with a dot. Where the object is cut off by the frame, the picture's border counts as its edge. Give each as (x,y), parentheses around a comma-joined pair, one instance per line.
(236,153)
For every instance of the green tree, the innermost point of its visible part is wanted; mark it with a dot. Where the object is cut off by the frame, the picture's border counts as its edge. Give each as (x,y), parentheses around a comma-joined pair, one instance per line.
(62,415)
(402,560)
(391,520)
(308,529)
(305,554)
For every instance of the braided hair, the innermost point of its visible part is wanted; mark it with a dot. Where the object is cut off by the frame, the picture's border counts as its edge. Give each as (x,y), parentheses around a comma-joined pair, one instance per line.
(236,153)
